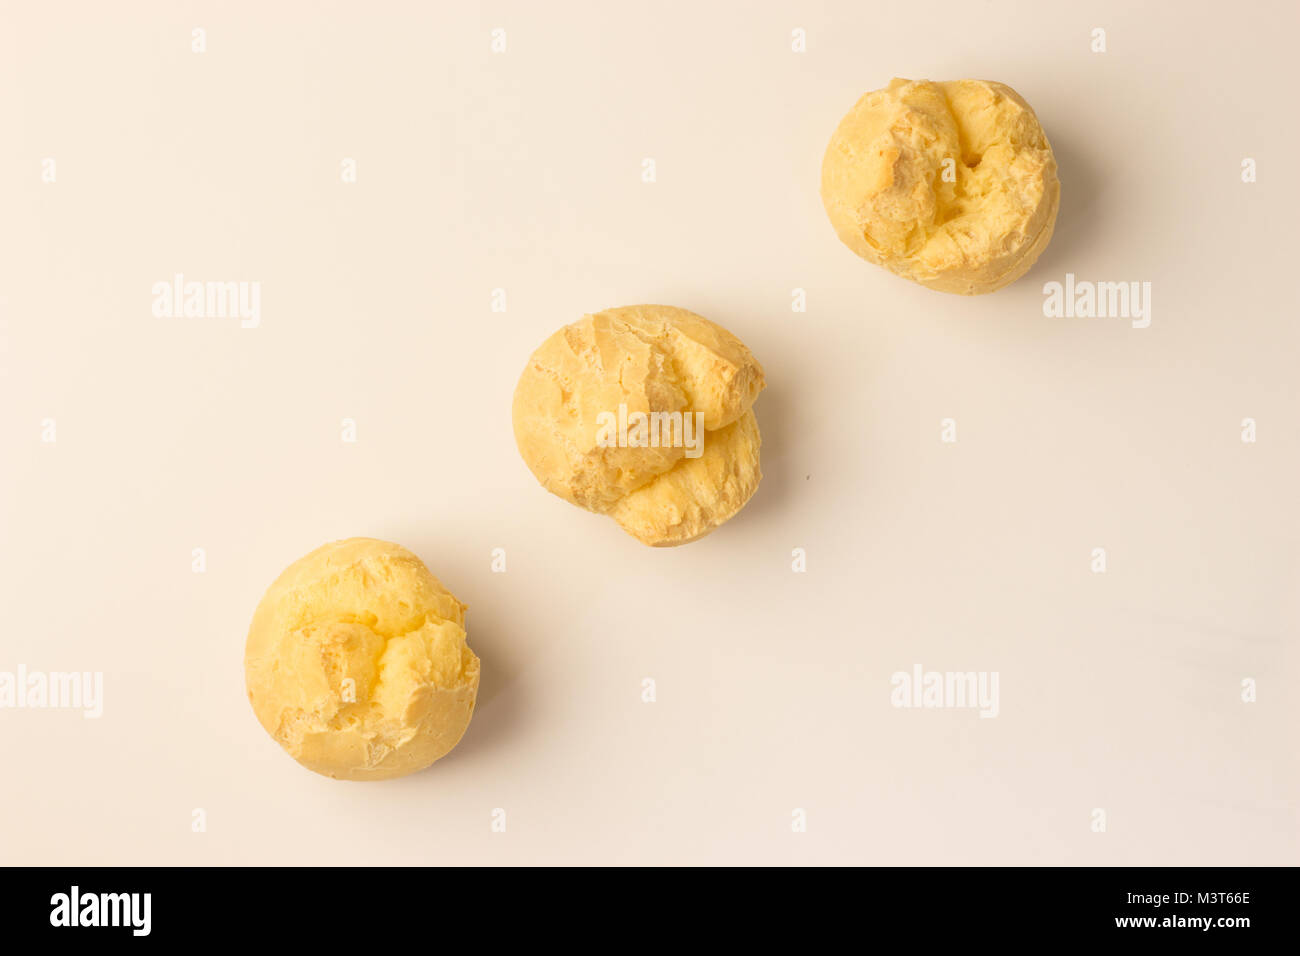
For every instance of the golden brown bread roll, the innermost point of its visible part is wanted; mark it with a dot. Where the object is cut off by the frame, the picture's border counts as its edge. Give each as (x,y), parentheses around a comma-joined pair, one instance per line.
(952,185)
(693,465)
(357,662)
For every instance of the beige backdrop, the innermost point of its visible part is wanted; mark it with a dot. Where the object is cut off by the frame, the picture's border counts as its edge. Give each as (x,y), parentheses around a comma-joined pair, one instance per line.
(523,170)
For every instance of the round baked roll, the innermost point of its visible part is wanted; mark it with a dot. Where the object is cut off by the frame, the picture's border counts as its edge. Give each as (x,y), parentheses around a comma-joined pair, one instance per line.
(643,413)
(357,662)
(952,185)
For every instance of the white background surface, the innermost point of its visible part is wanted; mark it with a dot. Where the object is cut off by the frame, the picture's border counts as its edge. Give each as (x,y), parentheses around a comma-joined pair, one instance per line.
(522,171)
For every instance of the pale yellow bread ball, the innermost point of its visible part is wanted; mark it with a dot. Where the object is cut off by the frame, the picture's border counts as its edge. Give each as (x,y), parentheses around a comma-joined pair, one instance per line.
(357,662)
(650,358)
(952,185)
